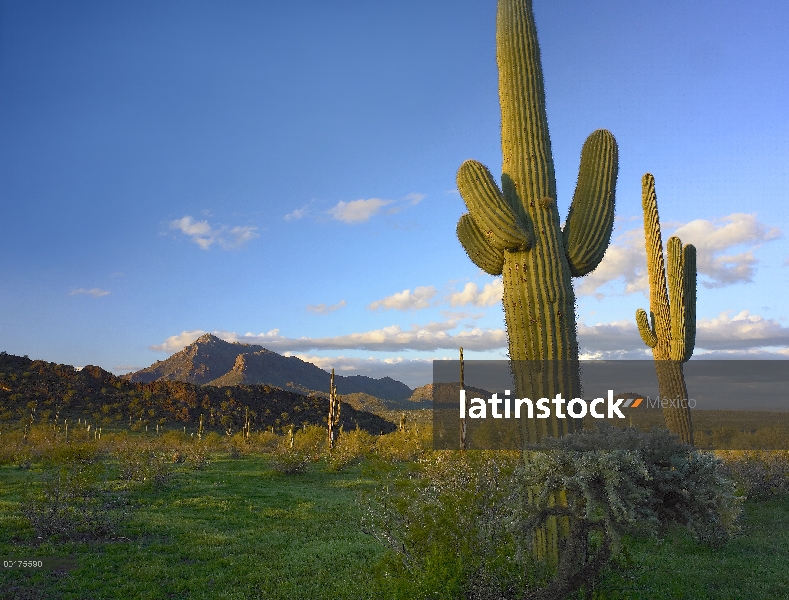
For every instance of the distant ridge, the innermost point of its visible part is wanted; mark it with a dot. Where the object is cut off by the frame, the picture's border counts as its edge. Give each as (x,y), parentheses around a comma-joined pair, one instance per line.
(212,361)
(48,392)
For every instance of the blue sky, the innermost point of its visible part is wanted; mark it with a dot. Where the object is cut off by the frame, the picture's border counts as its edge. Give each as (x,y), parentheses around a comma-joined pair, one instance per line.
(284,173)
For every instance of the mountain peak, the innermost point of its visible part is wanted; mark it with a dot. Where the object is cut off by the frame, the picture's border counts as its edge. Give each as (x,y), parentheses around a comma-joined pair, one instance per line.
(207,338)
(211,360)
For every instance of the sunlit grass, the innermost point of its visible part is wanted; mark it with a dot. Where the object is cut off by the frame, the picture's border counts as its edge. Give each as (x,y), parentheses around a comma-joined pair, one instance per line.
(239,529)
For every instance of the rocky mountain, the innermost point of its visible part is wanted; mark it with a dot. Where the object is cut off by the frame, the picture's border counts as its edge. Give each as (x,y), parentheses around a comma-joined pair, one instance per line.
(447,392)
(212,361)
(42,392)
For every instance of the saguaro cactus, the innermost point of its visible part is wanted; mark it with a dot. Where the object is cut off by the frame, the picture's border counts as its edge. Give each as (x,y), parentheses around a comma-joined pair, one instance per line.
(516,230)
(670,329)
(334,411)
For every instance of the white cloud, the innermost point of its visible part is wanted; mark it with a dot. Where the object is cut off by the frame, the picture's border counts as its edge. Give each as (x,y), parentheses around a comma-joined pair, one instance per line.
(126,368)
(204,235)
(725,334)
(429,337)
(297,214)
(174,343)
(406,300)
(95,292)
(490,294)
(413,372)
(740,332)
(626,258)
(619,339)
(713,240)
(414,198)
(357,211)
(323,309)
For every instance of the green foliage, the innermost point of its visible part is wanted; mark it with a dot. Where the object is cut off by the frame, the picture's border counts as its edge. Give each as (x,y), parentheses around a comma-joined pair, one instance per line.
(144,463)
(299,538)
(473,513)
(311,441)
(404,445)
(758,474)
(289,461)
(74,501)
(452,527)
(349,448)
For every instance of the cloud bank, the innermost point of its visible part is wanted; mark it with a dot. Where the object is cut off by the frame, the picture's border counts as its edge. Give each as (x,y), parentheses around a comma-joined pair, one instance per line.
(619,339)
(428,337)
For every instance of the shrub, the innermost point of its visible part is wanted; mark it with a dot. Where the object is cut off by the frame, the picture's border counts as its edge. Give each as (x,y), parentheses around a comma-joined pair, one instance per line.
(143,463)
(311,440)
(263,441)
(74,502)
(289,461)
(197,456)
(447,526)
(349,448)
(468,519)
(403,445)
(758,474)
(237,446)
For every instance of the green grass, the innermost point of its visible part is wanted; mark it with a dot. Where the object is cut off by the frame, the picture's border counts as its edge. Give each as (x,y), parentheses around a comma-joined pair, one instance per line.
(752,565)
(240,530)
(235,530)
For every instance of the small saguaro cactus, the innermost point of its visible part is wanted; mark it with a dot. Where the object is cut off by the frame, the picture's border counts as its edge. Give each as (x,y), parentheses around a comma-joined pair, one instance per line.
(334,411)
(463,430)
(670,329)
(516,231)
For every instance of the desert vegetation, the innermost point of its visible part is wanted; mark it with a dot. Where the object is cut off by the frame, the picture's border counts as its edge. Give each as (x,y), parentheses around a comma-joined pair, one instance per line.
(384,516)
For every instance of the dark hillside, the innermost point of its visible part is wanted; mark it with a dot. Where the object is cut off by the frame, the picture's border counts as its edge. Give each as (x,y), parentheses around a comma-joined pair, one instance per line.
(49,391)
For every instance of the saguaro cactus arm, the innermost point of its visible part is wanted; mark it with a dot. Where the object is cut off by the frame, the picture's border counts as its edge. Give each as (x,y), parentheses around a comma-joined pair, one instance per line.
(490,212)
(658,293)
(479,250)
(645,328)
(682,298)
(590,221)
(689,273)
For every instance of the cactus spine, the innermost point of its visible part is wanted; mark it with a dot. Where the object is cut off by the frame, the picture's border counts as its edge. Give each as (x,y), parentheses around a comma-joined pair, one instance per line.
(334,411)
(670,329)
(516,231)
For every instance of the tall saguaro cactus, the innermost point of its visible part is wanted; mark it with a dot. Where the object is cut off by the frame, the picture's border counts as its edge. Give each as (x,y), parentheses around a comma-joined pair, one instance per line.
(670,329)
(516,231)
